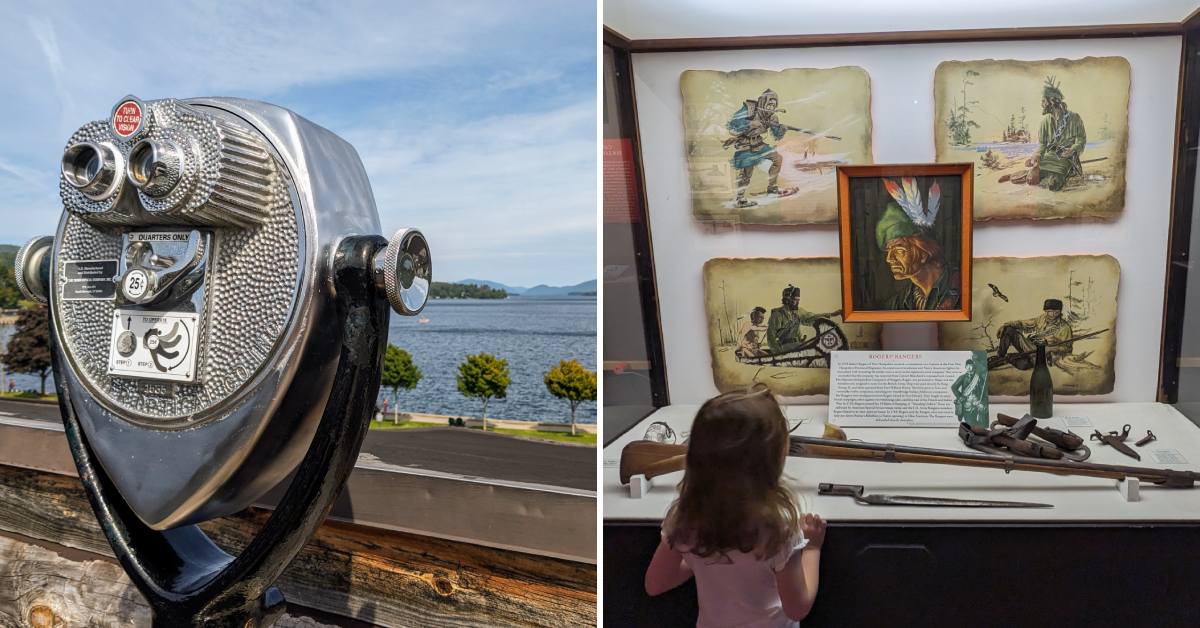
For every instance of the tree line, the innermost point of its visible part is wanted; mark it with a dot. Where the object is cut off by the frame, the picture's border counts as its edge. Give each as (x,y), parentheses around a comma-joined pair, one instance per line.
(486,377)
(444,290)
(482,375)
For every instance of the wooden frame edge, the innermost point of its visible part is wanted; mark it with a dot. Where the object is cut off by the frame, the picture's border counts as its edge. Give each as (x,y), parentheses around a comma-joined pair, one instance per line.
(685,44)
(965,172)
(615,39)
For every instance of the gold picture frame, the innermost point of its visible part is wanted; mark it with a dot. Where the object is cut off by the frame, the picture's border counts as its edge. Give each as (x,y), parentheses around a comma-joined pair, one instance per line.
(905,236)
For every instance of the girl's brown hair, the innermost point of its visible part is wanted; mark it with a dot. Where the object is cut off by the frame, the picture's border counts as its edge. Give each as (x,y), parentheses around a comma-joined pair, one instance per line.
(731,497)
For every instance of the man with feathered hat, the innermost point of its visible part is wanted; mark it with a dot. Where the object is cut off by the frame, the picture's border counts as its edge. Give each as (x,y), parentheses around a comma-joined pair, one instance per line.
(911,253)
(748,125)
(1060,141)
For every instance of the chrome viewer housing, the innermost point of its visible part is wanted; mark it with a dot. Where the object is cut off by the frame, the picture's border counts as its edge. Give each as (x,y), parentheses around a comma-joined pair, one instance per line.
(191,289)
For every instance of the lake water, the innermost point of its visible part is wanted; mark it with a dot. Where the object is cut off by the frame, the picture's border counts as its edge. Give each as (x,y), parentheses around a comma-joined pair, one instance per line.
(532,334)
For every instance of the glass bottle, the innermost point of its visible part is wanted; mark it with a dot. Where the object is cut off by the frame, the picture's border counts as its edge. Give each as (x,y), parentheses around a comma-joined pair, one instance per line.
(1041,387)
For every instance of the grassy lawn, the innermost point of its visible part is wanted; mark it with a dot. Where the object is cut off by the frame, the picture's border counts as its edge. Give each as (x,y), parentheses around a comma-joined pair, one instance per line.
(27,395)
(582,438)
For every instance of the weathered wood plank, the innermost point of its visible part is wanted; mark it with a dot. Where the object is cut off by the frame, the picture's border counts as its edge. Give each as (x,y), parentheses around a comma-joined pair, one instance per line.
(377,576)
(40,588)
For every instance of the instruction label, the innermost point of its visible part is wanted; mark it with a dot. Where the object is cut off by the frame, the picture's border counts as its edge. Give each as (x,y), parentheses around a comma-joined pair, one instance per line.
(89,280)
(154,345)
(158,236)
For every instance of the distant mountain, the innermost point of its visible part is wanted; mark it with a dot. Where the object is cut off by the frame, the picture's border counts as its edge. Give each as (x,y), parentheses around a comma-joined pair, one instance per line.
(494,284)
(587,288)
(8,252)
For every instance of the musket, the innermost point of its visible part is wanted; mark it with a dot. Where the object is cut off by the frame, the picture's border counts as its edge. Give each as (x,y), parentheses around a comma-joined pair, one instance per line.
(807,132)
(654,459)
(730,141)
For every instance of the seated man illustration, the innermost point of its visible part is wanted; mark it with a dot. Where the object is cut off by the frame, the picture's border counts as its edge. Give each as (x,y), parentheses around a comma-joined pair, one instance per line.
(1061,139)
(1024,335)
(753,335)
(783,328)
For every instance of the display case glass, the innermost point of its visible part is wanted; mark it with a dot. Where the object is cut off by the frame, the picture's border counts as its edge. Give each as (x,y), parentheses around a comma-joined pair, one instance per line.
(1081,143)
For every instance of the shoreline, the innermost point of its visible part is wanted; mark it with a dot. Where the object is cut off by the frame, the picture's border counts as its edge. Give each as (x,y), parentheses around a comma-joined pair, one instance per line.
(512,424)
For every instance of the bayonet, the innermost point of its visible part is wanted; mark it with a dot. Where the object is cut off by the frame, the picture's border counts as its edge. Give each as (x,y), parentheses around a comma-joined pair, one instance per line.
(856,491)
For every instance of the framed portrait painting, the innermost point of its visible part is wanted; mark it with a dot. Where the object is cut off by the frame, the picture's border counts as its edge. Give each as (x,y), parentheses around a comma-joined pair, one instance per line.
(905,242)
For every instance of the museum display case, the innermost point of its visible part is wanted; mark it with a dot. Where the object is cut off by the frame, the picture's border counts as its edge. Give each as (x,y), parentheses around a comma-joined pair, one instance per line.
(1078,145)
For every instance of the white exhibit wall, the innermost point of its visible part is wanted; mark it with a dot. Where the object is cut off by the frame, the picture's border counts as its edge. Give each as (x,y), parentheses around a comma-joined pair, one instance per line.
(902,111)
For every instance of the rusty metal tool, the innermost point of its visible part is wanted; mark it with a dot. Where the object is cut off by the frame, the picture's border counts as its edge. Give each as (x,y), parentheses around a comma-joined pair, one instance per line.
(1147,438)
(1011,440)
(1117,441)
(1061,439)
(856,491)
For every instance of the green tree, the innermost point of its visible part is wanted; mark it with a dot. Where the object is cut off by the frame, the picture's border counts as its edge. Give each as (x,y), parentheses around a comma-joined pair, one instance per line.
(570,381)
(485,376)
(398,372)
(29,347)
(10,295)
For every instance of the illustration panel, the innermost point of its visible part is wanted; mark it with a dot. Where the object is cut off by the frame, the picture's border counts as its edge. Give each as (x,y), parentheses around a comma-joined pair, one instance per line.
(761,145)
(1068,302)
(906,242)
(776,321)
(1047,138)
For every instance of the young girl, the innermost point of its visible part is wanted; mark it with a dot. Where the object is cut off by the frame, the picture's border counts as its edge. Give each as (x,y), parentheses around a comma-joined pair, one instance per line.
(735,527)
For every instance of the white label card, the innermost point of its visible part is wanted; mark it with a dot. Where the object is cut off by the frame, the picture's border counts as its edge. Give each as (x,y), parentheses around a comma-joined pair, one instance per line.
(906,389)
(1167,456)
(154,345)
(1077,421)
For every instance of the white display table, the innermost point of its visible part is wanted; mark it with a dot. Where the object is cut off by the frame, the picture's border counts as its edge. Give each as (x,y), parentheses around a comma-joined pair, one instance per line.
(1075,499)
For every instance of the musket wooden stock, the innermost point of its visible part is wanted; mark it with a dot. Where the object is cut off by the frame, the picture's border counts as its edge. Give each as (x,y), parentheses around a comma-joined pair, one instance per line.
(654,459)
(651,459)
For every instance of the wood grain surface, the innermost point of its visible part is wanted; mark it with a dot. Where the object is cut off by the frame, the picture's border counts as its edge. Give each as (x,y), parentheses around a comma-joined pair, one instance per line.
(374,576)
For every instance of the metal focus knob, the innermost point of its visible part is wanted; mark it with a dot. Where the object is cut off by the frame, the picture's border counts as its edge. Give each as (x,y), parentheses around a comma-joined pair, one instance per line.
(32,269)
(404,270)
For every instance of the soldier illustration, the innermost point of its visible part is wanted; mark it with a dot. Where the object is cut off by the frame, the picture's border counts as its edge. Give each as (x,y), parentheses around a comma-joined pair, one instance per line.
(784,332)
(753,335)
(1060,142)
(912,255)
(748,125)
(1023,335)
(970,393)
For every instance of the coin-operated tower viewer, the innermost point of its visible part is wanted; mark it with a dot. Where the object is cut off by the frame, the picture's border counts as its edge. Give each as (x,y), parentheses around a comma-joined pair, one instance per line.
(218,293)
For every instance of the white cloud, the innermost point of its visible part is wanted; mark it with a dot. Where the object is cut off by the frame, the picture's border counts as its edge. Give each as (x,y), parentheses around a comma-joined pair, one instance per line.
(478,187)
(504,186)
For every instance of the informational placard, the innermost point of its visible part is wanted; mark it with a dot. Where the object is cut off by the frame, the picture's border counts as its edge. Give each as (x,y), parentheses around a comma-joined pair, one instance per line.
(154,345)
(908,388)
(620,185)
(88,280)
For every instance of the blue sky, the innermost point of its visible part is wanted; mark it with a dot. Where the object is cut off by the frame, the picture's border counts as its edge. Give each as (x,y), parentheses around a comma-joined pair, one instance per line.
(476,120)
